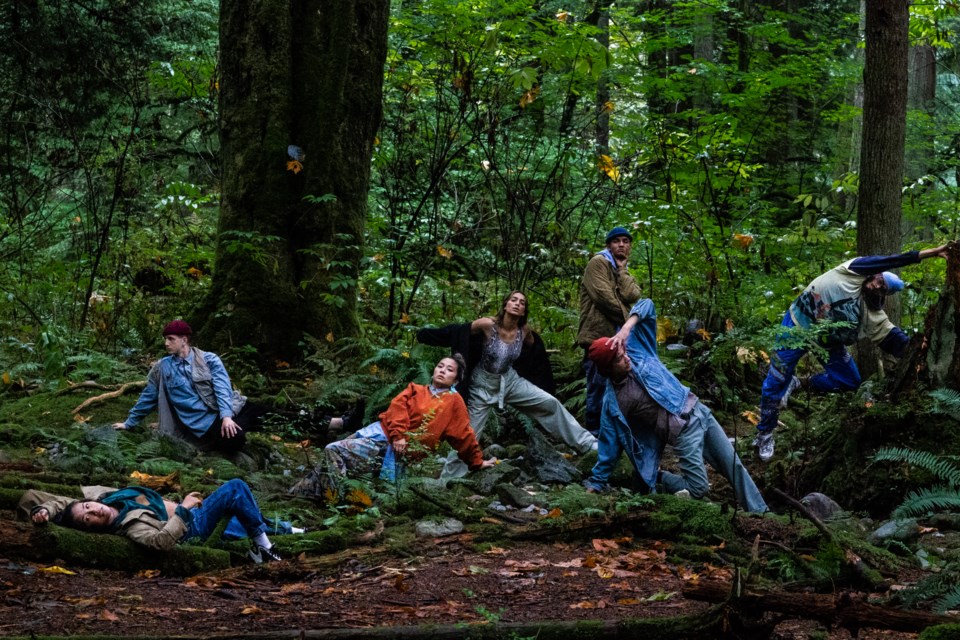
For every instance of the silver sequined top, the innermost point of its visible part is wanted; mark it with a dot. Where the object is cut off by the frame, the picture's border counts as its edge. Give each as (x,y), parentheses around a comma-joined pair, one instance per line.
(498,355)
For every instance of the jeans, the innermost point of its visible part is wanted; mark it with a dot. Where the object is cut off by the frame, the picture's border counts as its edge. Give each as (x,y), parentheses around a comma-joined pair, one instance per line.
(233,499)
(840,374)
(702,439)
(596,385)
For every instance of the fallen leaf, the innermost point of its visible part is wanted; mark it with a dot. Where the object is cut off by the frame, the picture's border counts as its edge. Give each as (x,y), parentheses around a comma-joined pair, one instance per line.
(250,610)
(661,596)
(629,601)
(586,604)
(56,569)
(148,573)
(599,544)
(108,615)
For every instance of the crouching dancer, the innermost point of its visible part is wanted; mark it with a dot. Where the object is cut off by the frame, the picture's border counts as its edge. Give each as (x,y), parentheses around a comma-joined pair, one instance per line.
(424,414)
(646,407)
(147,518)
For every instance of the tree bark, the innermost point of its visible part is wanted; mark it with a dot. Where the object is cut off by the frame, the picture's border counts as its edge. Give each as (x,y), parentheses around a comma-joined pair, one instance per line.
(882,149)
(299,82)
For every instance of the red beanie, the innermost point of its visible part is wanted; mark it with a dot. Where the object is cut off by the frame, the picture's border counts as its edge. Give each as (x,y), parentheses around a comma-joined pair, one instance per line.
(177,328)
(603,354)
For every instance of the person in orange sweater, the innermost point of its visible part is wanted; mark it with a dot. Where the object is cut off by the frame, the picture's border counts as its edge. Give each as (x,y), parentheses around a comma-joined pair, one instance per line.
(418,419)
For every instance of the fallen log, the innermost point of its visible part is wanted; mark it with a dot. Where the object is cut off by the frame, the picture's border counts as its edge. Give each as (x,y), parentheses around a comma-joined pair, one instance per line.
(89,402)
(50,542)
(697,626)
(843,609)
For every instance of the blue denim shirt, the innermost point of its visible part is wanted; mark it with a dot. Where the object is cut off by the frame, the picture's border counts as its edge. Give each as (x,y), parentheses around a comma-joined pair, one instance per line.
(184,399)
(641,346)
(616,435)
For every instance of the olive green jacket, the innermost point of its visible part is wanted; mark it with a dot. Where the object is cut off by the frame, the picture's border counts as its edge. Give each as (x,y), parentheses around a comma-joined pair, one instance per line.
(140,525)
(606,296)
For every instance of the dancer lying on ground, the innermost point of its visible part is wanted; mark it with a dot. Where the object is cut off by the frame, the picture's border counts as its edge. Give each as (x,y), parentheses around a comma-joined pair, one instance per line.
(147,518)
(418,419)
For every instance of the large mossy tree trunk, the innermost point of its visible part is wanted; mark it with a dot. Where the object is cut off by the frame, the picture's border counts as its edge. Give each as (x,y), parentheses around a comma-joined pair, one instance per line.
(300,104)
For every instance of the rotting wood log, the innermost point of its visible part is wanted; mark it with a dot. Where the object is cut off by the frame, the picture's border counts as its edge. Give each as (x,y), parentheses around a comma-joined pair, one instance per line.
(95,400)
(843,609)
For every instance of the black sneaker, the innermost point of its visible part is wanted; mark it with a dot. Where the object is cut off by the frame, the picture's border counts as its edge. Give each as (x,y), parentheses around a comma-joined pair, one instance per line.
(260,554)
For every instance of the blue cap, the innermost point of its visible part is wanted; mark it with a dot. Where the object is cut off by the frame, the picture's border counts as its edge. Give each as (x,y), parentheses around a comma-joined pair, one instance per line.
(616,232)
(892,281)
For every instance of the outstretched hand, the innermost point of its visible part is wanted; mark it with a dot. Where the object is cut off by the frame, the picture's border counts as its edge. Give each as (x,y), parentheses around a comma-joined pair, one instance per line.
(486,464)
(229,428)
(119,426)
(40,516)
(937,252)
(400,446)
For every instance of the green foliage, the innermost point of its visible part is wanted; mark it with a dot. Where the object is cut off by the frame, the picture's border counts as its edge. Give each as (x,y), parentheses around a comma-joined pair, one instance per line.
(946,402)
(926,500)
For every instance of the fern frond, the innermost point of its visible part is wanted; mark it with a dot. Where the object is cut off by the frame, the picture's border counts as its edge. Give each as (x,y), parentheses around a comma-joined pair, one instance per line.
(946,402)
(938,465)
(918,503)
(949,601)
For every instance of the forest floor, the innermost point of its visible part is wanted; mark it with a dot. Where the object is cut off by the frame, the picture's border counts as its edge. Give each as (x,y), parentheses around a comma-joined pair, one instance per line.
(442,581)
(604,561)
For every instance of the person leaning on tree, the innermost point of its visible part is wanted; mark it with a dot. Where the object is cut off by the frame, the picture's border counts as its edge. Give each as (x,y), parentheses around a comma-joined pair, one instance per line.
(645,407)
(854,294)
(191,391)
(607,291)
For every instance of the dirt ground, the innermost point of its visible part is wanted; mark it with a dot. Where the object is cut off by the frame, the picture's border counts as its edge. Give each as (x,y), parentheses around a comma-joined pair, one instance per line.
(443,581)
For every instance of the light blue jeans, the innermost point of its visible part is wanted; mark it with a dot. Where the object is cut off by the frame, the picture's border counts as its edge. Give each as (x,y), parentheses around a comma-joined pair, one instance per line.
(703,439)
(489,390)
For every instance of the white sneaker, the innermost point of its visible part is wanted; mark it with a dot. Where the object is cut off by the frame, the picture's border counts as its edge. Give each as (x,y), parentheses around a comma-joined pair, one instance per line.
(683,494)
(764,444)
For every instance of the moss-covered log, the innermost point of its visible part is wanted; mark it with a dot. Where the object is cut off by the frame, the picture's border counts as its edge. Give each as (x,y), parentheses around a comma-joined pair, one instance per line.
(115,552)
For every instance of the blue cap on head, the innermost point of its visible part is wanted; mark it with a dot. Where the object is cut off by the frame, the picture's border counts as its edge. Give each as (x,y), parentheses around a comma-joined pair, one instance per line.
(892,281)
(616,232)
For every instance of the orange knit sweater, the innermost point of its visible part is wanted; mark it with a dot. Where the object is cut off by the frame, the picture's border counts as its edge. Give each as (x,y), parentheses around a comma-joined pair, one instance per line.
(416,414)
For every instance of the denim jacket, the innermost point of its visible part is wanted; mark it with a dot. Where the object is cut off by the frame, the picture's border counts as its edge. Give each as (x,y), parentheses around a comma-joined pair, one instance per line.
(641,346)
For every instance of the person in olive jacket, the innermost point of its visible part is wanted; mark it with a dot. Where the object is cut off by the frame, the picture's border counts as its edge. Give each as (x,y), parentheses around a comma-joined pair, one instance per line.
(607,292)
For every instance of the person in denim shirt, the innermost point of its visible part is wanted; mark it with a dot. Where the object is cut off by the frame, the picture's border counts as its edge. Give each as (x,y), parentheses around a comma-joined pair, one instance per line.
(645,407)
(191,391)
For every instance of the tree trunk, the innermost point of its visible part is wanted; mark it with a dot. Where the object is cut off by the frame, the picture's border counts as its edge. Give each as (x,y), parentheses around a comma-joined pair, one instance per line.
(881,153)
(300,104)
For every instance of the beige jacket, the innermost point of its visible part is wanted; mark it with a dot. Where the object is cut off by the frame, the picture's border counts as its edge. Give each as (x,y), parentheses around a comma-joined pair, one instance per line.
(606,297)
(140,525)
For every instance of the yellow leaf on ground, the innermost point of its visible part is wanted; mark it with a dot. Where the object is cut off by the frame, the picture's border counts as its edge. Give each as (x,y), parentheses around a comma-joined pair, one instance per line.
(56,569)
(250,610)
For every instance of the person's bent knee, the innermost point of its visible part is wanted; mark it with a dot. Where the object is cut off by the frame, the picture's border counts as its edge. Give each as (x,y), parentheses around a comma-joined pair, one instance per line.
(697,489)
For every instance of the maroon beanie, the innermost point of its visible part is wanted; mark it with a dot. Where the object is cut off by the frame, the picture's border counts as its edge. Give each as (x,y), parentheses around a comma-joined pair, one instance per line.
(603,354)
(177,328)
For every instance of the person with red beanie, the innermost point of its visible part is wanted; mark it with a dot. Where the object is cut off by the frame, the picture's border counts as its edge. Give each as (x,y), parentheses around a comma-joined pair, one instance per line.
(191,391)
(645,407)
